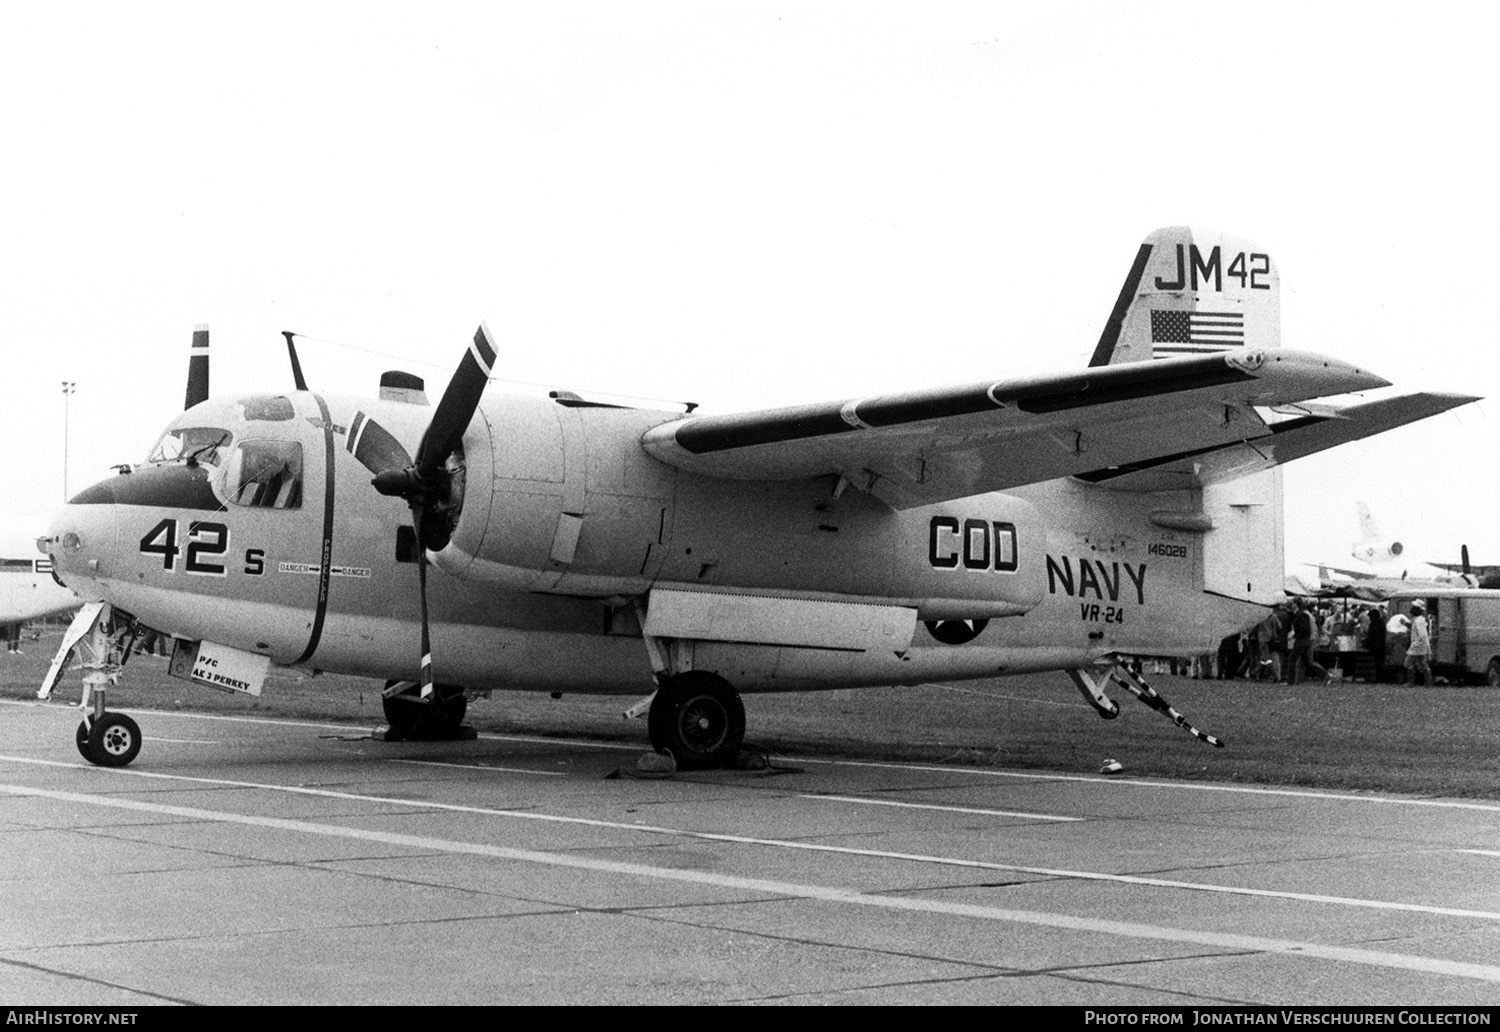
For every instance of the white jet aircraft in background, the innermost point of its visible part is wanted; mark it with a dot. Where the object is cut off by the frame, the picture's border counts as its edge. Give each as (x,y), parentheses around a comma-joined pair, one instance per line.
(28,590)
(1384,568)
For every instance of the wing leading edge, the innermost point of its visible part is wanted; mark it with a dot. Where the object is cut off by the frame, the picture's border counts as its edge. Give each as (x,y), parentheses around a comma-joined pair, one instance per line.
(922,447)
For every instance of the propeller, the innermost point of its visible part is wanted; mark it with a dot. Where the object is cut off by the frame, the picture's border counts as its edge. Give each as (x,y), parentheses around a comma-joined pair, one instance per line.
(427,484)
(197,378)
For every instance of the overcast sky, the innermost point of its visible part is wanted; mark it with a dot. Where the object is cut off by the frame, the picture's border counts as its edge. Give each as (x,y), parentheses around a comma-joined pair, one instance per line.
(743,205)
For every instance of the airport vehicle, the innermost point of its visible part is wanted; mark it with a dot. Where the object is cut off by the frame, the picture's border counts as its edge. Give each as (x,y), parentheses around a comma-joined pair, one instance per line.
(498,542)
(1465,628)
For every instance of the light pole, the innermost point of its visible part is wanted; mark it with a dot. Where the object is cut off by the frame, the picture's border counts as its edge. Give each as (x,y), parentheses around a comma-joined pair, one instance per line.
(68,387)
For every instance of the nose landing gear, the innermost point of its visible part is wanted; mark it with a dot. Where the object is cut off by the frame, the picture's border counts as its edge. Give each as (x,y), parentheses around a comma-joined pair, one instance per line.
(104,739)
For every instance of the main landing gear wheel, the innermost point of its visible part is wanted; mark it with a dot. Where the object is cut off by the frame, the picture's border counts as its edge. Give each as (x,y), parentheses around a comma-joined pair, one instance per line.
(1492,675)
(699,718)
(112,741)
(414,718)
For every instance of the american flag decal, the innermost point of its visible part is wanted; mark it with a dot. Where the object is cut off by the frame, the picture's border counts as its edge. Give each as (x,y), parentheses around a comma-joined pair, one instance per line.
(1187,333)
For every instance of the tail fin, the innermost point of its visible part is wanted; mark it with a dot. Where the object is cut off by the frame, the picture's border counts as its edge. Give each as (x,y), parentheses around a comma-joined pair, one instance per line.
(1192,291)
(1367,529)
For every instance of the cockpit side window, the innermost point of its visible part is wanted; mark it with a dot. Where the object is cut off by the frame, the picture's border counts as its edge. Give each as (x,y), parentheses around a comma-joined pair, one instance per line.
(265,475)
(200,445)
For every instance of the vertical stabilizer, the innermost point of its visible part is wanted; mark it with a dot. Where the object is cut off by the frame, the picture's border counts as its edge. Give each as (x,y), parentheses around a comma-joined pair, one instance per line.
(1372,546)
(1193,291)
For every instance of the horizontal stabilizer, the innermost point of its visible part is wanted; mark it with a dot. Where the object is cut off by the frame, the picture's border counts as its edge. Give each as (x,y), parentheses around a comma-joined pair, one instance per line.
(1295,438)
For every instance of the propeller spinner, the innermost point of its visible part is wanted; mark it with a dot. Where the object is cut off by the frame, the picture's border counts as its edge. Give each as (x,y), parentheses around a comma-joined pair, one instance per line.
(427,484)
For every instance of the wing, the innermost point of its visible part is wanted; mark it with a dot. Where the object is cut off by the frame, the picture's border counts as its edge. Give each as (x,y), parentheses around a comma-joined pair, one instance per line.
(1363,575)
(928,446)
(1482,572)
(1313,429)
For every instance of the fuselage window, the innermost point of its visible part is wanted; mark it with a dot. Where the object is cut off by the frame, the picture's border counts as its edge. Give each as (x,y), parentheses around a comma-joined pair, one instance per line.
(200,445)
(267,407)
(266,474)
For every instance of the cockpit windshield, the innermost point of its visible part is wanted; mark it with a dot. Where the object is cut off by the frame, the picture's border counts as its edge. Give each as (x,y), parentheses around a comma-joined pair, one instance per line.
(202,445)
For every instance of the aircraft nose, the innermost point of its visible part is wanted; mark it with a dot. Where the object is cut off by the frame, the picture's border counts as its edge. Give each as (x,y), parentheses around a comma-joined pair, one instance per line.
(82,542)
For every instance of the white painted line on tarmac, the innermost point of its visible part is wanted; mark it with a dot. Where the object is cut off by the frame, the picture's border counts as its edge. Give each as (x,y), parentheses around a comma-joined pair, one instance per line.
(484,766)
(866,801)
(1481,852)
(283,722)
(57,704)
(578,743)
(180,741)
(797,890)
(793,844)
(1186,786)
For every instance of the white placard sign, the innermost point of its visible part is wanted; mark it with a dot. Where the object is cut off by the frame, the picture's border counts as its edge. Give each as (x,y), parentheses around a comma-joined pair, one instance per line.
(234,670)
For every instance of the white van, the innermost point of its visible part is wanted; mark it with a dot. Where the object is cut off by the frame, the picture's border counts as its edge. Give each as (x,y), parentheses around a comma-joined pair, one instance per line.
(1465,626)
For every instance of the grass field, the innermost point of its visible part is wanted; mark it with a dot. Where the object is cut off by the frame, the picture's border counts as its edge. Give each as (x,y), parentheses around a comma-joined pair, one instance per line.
(1434,742)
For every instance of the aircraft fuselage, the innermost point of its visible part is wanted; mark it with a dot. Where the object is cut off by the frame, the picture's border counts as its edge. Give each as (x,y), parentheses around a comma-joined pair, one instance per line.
(272,540)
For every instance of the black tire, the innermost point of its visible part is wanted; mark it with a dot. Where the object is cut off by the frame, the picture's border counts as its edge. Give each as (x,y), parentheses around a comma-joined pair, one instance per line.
(82,738)
(114,741)
(697,717)
(411,717)
(1492,675)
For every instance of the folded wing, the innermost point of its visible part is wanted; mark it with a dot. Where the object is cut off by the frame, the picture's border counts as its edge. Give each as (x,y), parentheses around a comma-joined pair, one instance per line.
(1104,423)
(1316,428)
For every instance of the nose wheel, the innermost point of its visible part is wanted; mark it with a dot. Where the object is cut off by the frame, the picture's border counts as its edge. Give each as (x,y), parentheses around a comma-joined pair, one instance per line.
(109,740)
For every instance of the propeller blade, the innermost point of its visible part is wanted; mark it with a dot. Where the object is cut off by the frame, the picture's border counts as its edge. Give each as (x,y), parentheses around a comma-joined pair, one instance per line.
(458,404)
(1463,551)
(197,378)
(426,636)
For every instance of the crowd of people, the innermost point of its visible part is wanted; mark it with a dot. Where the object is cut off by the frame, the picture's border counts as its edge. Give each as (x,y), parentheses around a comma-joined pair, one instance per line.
(1285,646)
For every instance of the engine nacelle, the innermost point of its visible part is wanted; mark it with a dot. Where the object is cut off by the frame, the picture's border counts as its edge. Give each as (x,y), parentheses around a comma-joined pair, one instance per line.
(557,502)
(1376,551)
(560,497)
